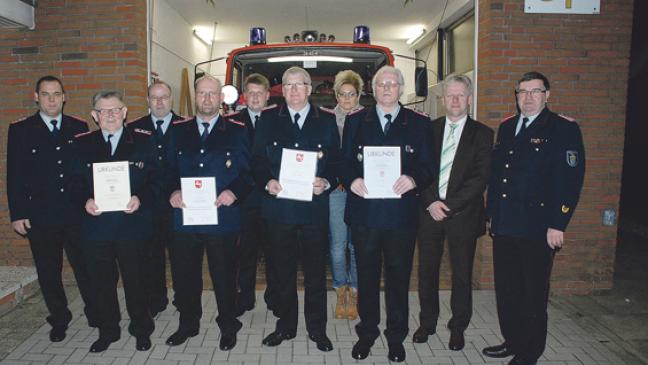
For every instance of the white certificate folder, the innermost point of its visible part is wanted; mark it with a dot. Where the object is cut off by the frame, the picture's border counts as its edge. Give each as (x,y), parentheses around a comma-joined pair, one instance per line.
(297,174)
(199,197)
(111,181)
(382,167)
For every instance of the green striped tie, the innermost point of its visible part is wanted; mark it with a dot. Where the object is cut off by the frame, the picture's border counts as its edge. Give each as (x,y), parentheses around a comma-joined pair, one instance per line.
(447,156)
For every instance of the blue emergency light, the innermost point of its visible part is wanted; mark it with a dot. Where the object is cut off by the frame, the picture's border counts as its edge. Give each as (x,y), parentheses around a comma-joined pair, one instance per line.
(361,34)
(257,36)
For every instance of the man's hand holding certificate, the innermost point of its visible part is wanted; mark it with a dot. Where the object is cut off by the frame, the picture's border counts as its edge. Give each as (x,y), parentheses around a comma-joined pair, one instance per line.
(297,174)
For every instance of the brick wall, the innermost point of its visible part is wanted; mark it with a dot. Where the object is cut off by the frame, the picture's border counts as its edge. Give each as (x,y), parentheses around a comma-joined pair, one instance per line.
(586,58)
(90,45)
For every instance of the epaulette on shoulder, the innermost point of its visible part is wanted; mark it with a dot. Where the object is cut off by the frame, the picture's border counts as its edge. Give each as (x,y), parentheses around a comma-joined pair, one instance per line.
(327,110)
(142,131)
(82,134)
(507,118)
(355,112)
(74,117)
(420,112)
(567,117)
(185,120)
(19,120)
(269,107)
(234,121)
(232,113)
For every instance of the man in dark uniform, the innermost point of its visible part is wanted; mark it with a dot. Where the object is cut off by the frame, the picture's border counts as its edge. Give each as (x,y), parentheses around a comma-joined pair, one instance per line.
(385,228)
(297,229)
(453,208)
(160,123)
(208,145)
(538,170)
(114,242)
(39,150)
(253,232)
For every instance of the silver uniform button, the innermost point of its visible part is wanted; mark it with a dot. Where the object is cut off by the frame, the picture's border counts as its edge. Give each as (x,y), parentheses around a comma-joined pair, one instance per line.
(507,166)
(59,162)
(296,144)
(61,176)
(58,148)
(62,190)
(510,152)
(504,180)
(227,153)
(503,195)
(201,164)
(537,149)
(160,158)
(33,150)
(159,146)
(202,150)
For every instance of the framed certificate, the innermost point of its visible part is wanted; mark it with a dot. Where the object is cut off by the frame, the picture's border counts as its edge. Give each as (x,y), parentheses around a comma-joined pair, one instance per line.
(297,174)
(199,197)
(382,167)
(111,181)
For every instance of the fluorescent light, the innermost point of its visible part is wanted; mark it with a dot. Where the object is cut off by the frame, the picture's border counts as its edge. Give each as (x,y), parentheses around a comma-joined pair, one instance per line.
(204,35)
(310,58)
(418,34)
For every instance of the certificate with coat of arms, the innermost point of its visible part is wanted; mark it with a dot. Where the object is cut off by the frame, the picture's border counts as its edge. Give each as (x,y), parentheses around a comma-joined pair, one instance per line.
(382,167)
(199,198)
(111,182)
(297,174)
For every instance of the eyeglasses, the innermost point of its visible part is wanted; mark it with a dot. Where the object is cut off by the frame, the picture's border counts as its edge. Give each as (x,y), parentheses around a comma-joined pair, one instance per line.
(347,95)
(387,84)
(160,98)
(106,112)
(534,93)
(299,85)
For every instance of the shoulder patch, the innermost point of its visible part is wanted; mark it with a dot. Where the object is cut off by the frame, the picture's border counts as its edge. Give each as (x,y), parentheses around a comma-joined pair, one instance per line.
(355,112)
(77,119)
(182,121)
(232,113)
(507,118)
(142,131)
(269,107)
(82,134)
(327,110)
(235,122)
(19,120)
(567,117)
(420,112)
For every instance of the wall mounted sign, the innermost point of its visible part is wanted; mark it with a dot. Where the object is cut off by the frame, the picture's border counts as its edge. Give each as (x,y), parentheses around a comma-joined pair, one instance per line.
(563,6)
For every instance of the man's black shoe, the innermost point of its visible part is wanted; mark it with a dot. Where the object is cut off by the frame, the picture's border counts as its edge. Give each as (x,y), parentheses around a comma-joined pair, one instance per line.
(57,333)
(396,352)
(142,343)
(227,341)
(498,351)
(276,338)
(322,341)
(179,337)
(457,341)
(361,349)
(240,310)
(519,361)
(421,335)
(102,344)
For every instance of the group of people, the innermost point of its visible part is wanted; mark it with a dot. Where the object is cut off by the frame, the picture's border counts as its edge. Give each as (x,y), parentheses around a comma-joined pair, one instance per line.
(534,173)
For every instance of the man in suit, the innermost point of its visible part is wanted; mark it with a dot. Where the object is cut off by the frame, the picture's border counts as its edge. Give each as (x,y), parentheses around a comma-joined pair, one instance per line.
(253,232)
(385,229)
(160,123)
(297,229)
(537,175)
(114,242)
(208,145)
(452,209)
(38,153)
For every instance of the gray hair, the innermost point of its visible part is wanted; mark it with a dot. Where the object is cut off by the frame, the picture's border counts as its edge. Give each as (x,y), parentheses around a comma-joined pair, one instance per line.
(348,77)
(208,77)
(390,70)
(462,79)
(159,82)
(296,71)
(107,94)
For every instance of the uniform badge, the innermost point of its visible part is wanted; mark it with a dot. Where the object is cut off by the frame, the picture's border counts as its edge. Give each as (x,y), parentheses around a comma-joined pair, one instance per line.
(138,164)
(572,158)
(320,155)
(408,148)
(536,140)
(564,209)
(359,157)
(228,163)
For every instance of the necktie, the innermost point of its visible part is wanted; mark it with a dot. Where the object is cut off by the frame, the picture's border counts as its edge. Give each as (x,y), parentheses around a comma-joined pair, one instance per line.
(525,120)
(447,156)
(388,124)
(55,130)
(297,116)
(205,133)
(109,145)
(159,134)
(256,120)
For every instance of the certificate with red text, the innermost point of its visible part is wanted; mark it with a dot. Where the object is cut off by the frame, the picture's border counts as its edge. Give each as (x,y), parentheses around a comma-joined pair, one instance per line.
(382,167)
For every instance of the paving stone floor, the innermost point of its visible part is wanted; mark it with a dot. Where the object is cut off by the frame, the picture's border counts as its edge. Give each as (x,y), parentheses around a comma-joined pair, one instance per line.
(570,340)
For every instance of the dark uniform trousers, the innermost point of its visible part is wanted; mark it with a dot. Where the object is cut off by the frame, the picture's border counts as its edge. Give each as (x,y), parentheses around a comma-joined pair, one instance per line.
(297,229)
(253,240)
(385,229)
(115,243)
(37,190)
(155,255)
(535,185)
(224,155)
(464,223)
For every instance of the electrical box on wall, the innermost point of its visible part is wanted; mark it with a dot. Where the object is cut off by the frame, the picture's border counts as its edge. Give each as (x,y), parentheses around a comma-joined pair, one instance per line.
(17,14)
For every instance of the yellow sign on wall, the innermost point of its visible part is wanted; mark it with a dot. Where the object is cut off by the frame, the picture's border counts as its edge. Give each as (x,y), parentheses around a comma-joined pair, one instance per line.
(563,6)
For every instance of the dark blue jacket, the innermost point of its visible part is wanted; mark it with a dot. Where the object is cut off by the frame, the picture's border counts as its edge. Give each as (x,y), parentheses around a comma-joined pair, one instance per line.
(254,199)
(411,132)
(36,166)
(225,156)
(537,176)
(275,132)
(136,147)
